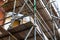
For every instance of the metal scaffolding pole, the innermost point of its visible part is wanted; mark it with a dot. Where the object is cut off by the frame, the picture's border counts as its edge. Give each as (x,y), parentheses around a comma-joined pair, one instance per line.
(13,16)
(34,19)
(9,38)
(29,33)
(12,36)
(54,36)
(45,28)
(39,24)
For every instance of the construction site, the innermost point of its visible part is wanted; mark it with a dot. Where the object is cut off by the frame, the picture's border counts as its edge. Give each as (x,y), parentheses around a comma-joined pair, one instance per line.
(29,20)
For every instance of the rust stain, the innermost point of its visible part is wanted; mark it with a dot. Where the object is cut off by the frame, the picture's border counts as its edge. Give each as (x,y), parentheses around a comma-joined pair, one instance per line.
(2,15)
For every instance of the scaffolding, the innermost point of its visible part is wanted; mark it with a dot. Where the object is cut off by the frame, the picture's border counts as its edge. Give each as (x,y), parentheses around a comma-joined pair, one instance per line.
(38,22)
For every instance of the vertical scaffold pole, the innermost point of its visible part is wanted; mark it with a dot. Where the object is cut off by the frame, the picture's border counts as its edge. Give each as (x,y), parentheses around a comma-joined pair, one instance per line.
(9,38)
(34,19)
(54,36)
(13,17)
